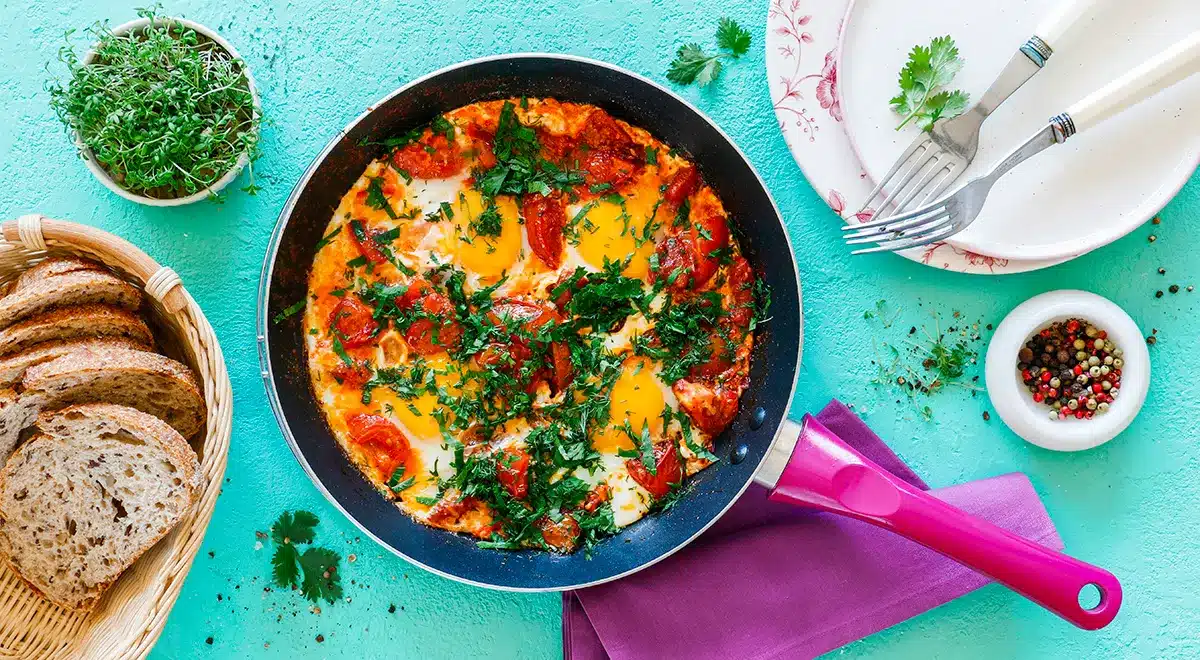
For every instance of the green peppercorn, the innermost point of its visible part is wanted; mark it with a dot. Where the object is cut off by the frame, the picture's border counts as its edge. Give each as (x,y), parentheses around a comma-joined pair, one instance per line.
(1055,382)
(1102,407)
(1091,331)
(1053,414)
(1108,359)
(1105,385)
(1081,356)
(1118,363)
(1105,370)
(1080,344)
(1073,404)
(1093,361)
(1094,372)
(1091,404)
(1117,352)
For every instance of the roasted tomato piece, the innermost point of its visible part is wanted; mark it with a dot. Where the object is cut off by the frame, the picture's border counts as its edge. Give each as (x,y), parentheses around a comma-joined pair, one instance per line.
(566,286)
(352,376)
(677,260)
(364,239)
(353,321)
(436,331)
(741,284)
(562,535)
(431,157)
(595,497)
(450,513)
(481,142)
(555,148)
(711,405)
(512,469)
(683,183)
(719,361)
(668,471)
(601,131)
(544,221)
(690,252)
(605,166)
(385,446)
(529,316)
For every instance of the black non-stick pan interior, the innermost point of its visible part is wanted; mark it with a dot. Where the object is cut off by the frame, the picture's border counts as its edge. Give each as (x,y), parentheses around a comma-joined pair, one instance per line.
(627,97)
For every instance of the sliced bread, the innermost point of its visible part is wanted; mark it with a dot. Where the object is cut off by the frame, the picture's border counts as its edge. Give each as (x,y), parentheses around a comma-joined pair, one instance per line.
(74,322)
(81,501)
(79,287)
(12,367)
(146,381)
(54,266)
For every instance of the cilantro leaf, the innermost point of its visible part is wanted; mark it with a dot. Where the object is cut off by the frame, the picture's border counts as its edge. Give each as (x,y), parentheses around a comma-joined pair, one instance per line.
(732,37)
(321,577)
(693,65)
(294,527)
(928,68)
(283,566)
(376,198)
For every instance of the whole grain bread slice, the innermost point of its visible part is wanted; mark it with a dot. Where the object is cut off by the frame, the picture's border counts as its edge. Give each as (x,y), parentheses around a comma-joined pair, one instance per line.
(81,501)
(13,366)
(149,382)
(74,322)
(55,266)
(77,287)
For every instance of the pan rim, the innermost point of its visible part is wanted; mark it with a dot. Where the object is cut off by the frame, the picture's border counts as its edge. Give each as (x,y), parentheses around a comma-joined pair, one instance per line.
(269,266)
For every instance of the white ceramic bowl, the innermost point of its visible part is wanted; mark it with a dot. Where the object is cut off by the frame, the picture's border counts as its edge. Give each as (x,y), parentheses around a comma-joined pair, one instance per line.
(98,170)
(1029,419)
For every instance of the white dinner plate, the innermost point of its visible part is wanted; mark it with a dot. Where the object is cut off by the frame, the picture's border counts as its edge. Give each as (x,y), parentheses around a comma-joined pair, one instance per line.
(1095,188)
(802,41)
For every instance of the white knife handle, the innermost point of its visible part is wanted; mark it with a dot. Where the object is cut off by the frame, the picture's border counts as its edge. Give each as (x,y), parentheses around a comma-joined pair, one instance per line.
(1057,22)
(1147,79)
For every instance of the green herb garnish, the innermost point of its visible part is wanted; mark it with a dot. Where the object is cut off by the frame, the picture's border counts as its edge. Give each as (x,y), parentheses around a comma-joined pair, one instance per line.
(288,312)
(164,110)
(692,64)
(927,70)
(376,198)
(315,571)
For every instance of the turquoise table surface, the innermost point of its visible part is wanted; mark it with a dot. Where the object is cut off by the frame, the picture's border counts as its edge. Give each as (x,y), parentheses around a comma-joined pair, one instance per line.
(1131,505)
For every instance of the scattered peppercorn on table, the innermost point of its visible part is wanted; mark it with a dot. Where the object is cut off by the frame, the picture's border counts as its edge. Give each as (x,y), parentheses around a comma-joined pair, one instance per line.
(1129,505)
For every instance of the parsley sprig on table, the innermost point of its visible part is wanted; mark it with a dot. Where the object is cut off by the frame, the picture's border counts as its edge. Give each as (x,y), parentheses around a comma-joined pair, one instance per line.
(927,70)
(165,111)
(692,64)
(315,571)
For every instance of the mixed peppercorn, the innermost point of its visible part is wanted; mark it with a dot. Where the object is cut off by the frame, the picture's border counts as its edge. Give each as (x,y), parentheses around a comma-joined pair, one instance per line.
(1073,368)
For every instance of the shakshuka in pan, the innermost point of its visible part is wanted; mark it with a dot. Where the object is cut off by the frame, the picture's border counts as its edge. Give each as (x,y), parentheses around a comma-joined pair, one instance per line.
(528,321)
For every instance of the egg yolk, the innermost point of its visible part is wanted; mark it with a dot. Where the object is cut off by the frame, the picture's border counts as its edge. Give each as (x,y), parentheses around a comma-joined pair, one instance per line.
(417,414)
(487,256)
(637,398)
(614,230)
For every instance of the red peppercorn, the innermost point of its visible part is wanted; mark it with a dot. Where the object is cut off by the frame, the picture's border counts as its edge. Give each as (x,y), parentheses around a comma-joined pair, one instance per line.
(1046,333)
(1046,376)
(1072,326)
(1044,388)
(1052,393)
(1078,370)
(1025,375)
(1103,334)
(1039,397)
(1097,388)
(1078,414)
(1089,414)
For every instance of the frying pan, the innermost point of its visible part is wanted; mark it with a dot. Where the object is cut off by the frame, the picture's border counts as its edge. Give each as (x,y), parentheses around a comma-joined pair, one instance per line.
(805,465)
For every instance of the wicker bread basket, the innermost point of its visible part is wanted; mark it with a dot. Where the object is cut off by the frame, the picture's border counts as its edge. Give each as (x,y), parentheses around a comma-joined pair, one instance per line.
(131,615)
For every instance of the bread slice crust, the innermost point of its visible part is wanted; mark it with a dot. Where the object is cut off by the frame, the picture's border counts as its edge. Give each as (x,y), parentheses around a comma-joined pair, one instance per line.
(30,297)
(74,322)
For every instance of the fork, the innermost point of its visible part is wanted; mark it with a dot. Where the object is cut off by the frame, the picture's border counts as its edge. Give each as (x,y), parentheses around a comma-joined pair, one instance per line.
(952,213)
(935,159)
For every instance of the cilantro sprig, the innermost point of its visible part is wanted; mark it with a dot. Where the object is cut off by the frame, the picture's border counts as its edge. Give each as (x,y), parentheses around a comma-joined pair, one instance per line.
(315,571)
(928,69)
(693,64)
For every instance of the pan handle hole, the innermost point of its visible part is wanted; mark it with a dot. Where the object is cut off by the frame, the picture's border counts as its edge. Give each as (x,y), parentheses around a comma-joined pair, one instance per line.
(1090,597)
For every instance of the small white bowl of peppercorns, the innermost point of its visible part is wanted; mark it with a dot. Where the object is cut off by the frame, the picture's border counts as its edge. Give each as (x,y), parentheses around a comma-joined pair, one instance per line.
(1067,370)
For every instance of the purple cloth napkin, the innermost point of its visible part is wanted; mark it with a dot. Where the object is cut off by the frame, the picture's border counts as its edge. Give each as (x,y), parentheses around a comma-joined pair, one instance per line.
(770,580)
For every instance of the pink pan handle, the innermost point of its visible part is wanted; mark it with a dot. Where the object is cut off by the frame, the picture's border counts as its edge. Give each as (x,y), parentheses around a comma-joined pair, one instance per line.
(826,474)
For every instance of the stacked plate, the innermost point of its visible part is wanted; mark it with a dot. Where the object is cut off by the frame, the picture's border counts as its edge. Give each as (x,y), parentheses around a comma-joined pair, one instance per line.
(832,70)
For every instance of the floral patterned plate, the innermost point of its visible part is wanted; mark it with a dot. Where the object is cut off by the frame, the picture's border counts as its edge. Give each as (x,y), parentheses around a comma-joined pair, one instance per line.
(802,42)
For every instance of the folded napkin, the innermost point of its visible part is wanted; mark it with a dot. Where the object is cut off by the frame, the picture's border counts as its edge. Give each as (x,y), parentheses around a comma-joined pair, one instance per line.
(770,580)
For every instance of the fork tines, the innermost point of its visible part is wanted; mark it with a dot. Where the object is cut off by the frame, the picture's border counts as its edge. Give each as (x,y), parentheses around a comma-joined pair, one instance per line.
(924,167)
(920,226)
